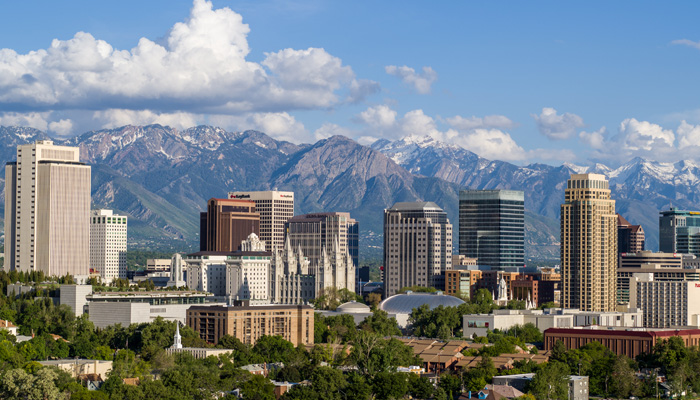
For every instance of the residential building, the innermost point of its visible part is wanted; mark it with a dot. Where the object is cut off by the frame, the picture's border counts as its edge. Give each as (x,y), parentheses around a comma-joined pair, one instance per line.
(226,223)
(666,304)
(588,244)
(108,233)
(295,323)
(630,342)
(461,282)
(492,227)
(47,210)
(317,233)
(6,325)
(275,208)
(630,238)
(578,385)
(679,231)
(417,246)
(663,267)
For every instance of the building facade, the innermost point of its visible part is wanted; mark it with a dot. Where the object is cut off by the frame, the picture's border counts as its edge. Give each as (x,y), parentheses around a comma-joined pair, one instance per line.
(630,238)
(588,244)
(47,210)
(275,208)
(417,246)
(294,323)
(492,227)
(314,233)
(291,281)
(666,304)
(108,232)
(226,223)
(248,272)
(679,231)
(662,267)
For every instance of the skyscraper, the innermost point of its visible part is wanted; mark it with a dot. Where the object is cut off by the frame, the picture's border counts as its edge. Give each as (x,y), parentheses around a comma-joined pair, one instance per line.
(108,244)
(275,209)
(47,210)
(492,227)
(679,231)
(226,224)
(313,232)
(588,244)
(417,245)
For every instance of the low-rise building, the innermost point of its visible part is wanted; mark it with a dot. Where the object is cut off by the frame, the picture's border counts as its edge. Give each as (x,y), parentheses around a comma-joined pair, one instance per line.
(358,311)
(295,323)
(75,297)
(6,325)
(480,324)
(627,341)
(157,264)
(578,385)
(126,308)
(77,367)
(400,306)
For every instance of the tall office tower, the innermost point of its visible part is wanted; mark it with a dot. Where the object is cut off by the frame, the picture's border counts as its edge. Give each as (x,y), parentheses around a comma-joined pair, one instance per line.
(679,231)
(417,245)
(630,238)
(47,210)
(275,208)
(332,232)
(492,227)
(226,224)
(588,244)
(108,244)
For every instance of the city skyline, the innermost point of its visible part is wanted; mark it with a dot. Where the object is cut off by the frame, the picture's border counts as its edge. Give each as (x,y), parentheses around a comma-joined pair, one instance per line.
(470,74)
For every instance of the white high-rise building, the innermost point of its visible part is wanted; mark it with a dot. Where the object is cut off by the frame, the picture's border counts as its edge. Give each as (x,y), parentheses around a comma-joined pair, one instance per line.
(47,210)
(275,208)
(108,244)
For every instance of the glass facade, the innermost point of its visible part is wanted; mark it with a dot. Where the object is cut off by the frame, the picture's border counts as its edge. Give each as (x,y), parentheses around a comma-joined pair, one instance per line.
(492,227)
(679,232)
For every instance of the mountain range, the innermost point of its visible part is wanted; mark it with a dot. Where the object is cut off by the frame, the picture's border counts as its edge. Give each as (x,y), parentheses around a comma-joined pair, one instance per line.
(162,178)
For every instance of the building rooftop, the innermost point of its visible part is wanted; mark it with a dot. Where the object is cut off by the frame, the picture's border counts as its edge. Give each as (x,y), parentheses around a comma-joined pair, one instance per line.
(404,303)
(415,205)
(353,307)
(6,324)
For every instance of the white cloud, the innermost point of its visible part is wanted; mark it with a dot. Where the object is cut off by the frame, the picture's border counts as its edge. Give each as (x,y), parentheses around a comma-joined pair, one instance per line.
(327,130)
(200,68)
(643,135)
(421,82)
(36,120)
(555,126)
(114,118)
(63,127)
(491,143)
(595,139)
(688,135)
(381,117)
(687,42)
(487,122)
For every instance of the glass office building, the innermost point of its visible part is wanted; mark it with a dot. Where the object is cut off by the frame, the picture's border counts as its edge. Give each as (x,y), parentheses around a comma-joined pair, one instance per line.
(492,227)
(679,232)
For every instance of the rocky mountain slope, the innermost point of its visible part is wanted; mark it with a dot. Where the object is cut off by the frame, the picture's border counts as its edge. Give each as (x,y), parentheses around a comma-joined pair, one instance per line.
(162,178)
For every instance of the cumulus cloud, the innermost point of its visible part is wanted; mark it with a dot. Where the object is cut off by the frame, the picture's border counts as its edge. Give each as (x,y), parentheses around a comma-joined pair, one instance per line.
(643,135)
(200,68)
(595,139)
(555,126)
(36,120)
(687,42)
(381,117)
(688,135)
(491,143)
(420,81)
(487,122)
(327,130)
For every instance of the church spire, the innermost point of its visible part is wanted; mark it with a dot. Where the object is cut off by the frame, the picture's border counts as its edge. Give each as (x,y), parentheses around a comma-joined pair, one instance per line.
(177,343)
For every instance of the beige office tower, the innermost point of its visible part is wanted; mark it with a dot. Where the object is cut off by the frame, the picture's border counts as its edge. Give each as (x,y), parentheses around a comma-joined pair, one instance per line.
(108,244)
(588,244)
(275,209)
(47,210)
(417,246)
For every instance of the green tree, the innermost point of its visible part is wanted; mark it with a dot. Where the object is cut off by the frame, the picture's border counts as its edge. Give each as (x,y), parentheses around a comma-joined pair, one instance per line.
(380,323)
(451,384)
(624,382)
(328,382)
(257,387)
(273,349)
(550,382)
(390,385)
(17,384)
(373,354)
(420,387)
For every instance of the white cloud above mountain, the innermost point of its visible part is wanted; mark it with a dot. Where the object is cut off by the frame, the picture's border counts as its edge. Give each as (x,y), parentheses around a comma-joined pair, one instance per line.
(420,81)
(557,126)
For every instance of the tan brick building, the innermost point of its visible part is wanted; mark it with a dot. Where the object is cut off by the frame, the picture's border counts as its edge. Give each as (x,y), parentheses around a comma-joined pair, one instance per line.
(588,244)
(294,323)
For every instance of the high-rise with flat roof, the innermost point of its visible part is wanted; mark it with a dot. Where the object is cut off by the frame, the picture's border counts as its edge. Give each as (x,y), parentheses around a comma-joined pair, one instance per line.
(679,231)
(275,208)
(226,224)
(108,244)
(492,227)
(588,244)
(47,210)
(417,245)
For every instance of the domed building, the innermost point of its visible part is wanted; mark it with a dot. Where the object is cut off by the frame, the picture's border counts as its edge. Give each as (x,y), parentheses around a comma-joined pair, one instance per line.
(401,305)
(359,311)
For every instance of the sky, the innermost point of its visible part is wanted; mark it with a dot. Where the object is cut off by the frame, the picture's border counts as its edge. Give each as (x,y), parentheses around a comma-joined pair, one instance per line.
(523,82)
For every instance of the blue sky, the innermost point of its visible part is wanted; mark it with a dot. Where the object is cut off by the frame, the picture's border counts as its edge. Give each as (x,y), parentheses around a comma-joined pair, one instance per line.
(519,81)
